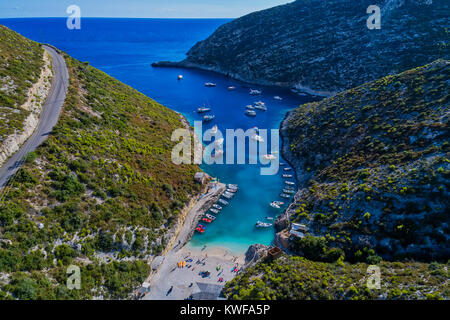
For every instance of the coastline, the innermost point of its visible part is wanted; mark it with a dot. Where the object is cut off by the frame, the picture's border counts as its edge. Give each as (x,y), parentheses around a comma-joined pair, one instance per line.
(296,88)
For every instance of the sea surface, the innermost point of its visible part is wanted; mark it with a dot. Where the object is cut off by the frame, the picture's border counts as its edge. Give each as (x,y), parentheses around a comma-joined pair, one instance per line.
(125,49)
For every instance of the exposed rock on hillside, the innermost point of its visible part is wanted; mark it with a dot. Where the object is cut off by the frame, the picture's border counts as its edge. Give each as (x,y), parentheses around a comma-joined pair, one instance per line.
(374,166)
(325,45)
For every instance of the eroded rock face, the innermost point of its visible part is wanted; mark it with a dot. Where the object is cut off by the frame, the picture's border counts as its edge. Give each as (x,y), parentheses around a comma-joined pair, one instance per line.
(255,253)
(35,101)
(324,47)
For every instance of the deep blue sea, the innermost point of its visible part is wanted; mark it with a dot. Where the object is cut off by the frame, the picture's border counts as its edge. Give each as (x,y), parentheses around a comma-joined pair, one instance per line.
(126,48)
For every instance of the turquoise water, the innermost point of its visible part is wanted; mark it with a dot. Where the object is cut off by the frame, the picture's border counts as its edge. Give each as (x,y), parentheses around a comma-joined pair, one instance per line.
(125,49)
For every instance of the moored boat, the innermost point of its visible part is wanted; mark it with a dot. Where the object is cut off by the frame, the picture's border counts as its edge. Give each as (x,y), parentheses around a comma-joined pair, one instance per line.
(284,195)
(287,175)
(260,224)
(210,216)
(203,110)
(288,191)
(216,206)
(290,183)
(250,113)
(210,84)
(255,92)
(215,211)
(222,201)
(208,118)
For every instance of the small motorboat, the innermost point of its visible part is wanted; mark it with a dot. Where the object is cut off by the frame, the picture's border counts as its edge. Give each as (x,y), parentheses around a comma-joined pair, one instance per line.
(227,195)
(258,138)
(216,206)
(232,186)
(284,195)
(224,202)
(269,157)
(269,218)
(278,98)
(287,175)
(231,88)
(260,224)
(261,107)
(208,118)
(290,183)
(231,190)
(250,107)
(200,228)
(207,220)
(255,92)
(203,110)
(210,84)
(180,77)
(215,211)
(275,205)
(289,188)
(287,169)
(288,191)
(210,216)
(250,113)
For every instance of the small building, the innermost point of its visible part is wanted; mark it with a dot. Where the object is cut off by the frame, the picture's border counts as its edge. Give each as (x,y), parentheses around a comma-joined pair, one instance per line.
(206,291)
(274,253)
(200,177)
(298,230)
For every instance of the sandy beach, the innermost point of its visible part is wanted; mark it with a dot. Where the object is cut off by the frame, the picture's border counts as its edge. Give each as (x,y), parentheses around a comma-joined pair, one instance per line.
(183,281)
(218,265)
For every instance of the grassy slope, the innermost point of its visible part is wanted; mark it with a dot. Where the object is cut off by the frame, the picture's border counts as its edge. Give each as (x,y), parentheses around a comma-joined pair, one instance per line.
(20,67)
(104,188)
(296,278)
(378,156)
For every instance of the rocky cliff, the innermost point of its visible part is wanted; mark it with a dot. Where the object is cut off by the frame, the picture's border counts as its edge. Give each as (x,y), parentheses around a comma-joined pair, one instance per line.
(373,163)
(325,46)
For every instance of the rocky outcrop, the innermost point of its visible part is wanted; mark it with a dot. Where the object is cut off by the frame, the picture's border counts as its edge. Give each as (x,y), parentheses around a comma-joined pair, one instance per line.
(323,47)
(255,253)
(373,166)
(36,97)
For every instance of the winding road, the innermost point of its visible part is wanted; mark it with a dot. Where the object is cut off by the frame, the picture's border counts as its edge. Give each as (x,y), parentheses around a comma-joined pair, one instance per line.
(48,119)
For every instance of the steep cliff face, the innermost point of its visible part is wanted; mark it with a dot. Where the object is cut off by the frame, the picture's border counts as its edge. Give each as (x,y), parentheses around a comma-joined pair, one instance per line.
(325,45)
(374,165)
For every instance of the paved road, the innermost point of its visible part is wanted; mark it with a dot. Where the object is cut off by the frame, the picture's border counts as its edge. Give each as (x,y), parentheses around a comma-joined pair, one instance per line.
(48,119)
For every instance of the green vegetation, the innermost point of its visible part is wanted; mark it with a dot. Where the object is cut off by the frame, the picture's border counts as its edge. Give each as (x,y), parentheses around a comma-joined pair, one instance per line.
(20,67)
(377,157)
(295,278)
(100,193)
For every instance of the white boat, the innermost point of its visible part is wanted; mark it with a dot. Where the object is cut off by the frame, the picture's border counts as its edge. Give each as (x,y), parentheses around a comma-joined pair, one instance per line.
(278,98)
(214,130)
(214,211)
(260,224)
(231,88)
(227,195)
(280,203)
(290,183)
(259,103)
(203,110)
(222,201)
(210,84)
(287,175)
(288,191)
(287,169)
(231,190)
(210,216)
(274,205)
(284,195)
(260,106)
(255,92)
(269,157)
(250,107)
(180,77)
(233,186)
(258,138)
(269,218)
(250,113)
(208,118)
(216,206)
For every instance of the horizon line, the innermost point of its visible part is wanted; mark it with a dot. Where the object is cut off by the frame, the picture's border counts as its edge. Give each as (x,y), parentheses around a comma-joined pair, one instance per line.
(215,18)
